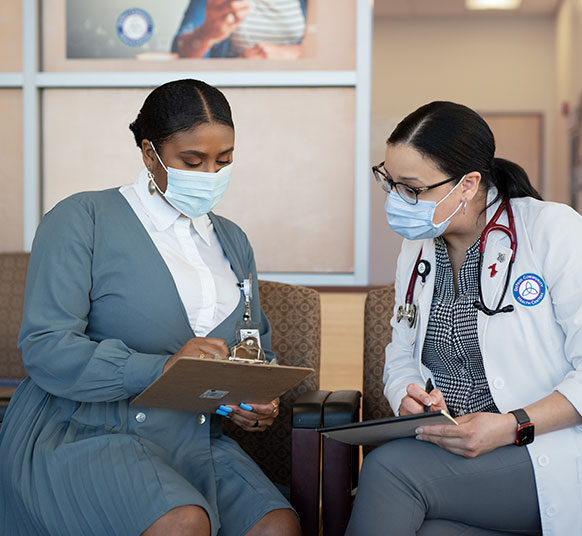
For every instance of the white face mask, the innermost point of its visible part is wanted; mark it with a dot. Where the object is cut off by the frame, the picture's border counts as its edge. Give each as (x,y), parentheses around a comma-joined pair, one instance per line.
(415,222)
(194,193)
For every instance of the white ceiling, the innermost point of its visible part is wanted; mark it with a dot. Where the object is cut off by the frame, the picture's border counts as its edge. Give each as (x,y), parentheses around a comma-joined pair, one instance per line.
(456,8)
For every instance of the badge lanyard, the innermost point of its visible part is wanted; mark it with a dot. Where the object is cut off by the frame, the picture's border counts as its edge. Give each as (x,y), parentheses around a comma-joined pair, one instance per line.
(247,289)
(247,327)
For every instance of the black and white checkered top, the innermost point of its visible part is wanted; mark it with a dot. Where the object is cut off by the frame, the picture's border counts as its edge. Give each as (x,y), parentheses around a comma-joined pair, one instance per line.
(451,346)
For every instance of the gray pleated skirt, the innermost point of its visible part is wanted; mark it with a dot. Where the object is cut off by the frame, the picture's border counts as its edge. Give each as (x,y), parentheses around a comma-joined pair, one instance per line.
(71,468)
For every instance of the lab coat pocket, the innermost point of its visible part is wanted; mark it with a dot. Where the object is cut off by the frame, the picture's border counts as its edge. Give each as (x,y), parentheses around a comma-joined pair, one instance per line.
(413,338)
(408,333)
(416,326)
(403,335)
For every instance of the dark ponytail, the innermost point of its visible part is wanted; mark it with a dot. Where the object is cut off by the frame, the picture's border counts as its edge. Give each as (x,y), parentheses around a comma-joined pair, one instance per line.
(511,180)
(179,106)
(459,141)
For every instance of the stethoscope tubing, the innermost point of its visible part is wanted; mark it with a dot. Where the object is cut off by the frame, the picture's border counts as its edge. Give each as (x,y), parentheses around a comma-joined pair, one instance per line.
(491,226)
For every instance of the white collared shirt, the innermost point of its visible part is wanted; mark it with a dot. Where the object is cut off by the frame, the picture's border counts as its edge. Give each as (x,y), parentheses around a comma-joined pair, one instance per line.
(190,248)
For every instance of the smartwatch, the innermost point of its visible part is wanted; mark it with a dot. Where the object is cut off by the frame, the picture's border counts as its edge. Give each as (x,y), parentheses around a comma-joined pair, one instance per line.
(524,435)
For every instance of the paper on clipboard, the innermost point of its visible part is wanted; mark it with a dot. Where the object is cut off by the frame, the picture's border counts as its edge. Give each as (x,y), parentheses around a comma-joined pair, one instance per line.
(383,430)
(195,384)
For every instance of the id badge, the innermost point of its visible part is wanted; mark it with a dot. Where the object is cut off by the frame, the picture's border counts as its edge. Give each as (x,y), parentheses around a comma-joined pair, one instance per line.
(249,346)
(245,330)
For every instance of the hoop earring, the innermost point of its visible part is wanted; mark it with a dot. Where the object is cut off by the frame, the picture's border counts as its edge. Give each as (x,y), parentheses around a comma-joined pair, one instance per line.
(151,184)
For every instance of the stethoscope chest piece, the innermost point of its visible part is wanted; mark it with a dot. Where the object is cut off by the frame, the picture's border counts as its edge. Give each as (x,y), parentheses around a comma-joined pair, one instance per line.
(407,311)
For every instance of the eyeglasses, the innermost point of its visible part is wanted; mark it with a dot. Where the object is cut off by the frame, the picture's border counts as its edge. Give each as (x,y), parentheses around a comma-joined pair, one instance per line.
(407,193)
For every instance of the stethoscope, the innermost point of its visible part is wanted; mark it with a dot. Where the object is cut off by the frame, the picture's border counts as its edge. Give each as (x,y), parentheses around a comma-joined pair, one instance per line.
(422,269)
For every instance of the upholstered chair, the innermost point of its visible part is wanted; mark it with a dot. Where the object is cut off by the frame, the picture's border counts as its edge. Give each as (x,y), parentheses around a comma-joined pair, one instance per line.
(294,313)
(378,311)
(12,278)
(295,316)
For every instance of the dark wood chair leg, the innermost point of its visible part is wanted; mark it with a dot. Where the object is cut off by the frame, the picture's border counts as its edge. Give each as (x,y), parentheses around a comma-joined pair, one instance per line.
(305,462)
(340,463)
(337,484)
(306,459)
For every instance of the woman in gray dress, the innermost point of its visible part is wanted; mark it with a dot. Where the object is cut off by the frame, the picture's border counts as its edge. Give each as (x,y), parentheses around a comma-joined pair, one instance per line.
(122,282)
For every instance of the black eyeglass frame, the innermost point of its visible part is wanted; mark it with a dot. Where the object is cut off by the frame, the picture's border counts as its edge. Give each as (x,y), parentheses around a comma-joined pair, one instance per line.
(388,184)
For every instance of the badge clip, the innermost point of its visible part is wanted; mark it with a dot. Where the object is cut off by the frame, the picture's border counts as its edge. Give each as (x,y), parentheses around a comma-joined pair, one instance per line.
(248,347)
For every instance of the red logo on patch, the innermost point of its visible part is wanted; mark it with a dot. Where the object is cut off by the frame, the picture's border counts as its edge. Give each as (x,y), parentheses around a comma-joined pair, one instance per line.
(493,270)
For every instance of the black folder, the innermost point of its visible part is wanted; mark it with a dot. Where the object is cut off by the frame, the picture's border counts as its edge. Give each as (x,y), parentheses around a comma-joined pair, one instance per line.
(383,430)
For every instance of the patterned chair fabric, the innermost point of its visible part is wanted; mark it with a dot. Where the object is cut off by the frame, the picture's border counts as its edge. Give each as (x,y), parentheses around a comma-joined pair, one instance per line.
(378,311)
(12,279)
(295,316)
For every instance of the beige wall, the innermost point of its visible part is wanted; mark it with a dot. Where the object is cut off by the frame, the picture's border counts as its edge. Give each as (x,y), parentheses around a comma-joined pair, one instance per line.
(292,189)
(342,340)
(11,221)
(491,65)
(518,137)
(10,35)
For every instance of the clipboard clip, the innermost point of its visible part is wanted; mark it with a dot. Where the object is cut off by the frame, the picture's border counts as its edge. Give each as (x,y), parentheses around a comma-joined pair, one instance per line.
(252,361)
(248,351)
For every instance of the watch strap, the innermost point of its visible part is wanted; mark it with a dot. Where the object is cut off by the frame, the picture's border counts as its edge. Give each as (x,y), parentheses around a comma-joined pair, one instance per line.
(521,416)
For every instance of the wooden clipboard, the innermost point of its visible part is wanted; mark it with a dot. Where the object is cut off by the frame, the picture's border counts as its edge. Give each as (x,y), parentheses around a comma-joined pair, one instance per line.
(383,430)
(194,384)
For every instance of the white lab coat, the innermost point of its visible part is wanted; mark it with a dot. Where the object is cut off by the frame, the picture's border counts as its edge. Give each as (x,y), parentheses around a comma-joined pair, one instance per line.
(528,353)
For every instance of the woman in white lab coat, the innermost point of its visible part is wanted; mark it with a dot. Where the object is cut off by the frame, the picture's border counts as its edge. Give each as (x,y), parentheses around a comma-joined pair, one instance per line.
(500,338)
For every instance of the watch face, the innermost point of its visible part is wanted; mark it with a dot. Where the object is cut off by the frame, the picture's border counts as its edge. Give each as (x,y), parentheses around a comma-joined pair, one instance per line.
(525,434)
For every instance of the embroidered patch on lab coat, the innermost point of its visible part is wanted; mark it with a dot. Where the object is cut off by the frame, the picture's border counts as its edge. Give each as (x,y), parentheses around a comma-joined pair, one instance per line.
(529,289)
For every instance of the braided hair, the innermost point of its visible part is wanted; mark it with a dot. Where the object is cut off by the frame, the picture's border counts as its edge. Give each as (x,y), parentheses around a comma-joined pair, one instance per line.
(179,106)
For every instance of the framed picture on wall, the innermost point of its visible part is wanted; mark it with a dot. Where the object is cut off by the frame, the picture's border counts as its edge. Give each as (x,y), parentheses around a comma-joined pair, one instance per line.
(114,35)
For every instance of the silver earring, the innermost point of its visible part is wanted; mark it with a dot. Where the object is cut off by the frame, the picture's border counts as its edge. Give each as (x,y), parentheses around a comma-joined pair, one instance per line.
(151,185)
(464,207)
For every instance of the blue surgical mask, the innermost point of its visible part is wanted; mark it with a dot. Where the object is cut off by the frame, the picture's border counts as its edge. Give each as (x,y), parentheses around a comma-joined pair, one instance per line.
(415,222)
(194,193)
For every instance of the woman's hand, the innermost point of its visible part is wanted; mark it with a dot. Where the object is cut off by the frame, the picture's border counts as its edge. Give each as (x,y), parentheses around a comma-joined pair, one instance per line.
(221,19)
(199,347)
(254,417)
(476,434)
(416,398)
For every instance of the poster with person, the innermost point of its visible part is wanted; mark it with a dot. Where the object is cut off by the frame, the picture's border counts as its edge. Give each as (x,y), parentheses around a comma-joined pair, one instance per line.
(193,29)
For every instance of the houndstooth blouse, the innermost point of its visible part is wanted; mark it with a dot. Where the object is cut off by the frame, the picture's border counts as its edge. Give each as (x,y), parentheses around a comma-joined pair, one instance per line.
(451,346)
